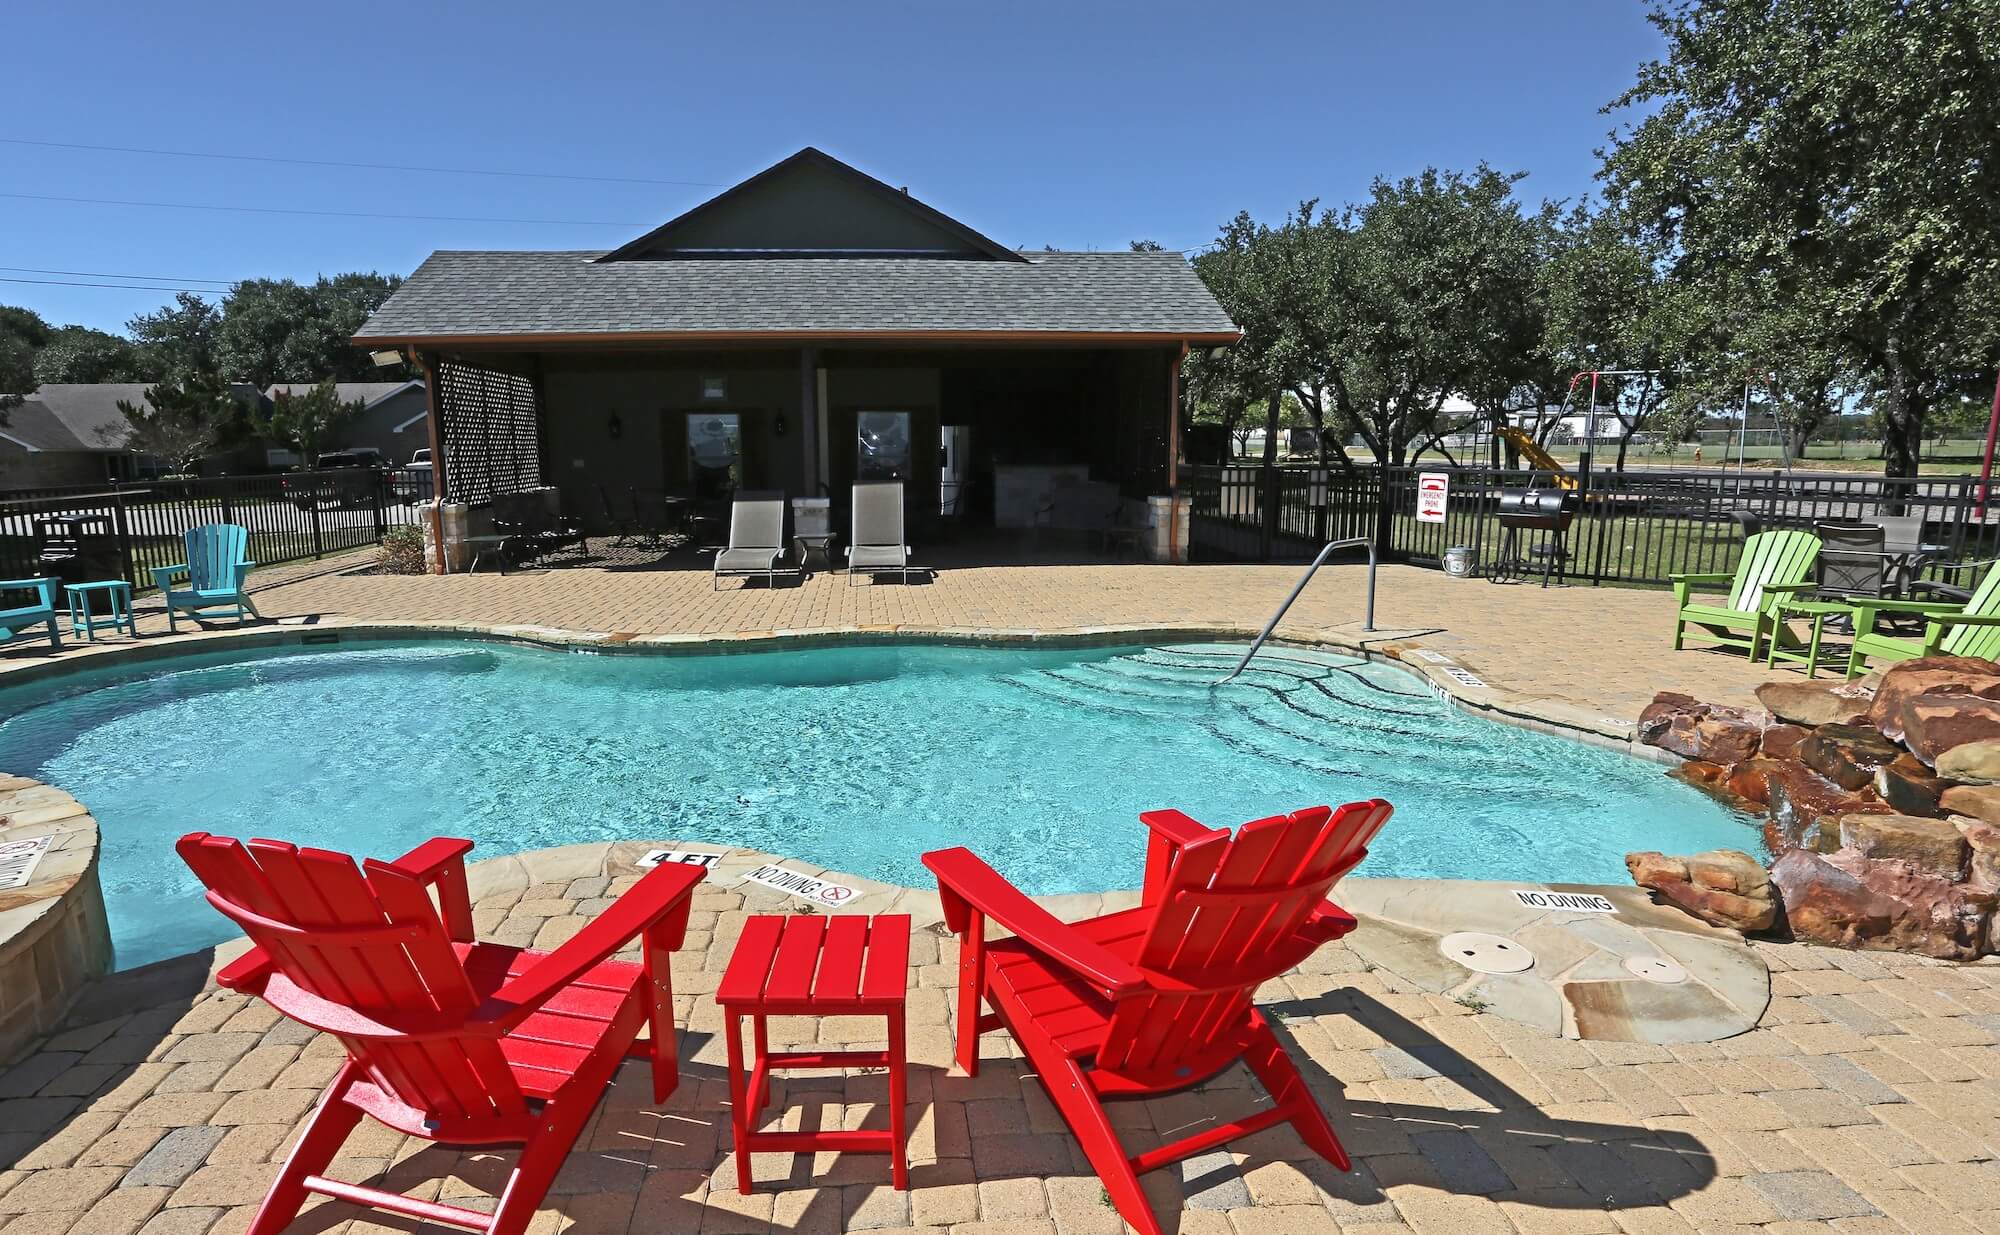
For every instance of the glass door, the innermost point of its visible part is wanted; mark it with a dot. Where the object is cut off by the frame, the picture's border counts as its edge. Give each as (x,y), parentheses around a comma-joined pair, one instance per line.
(715,454)
(881,446)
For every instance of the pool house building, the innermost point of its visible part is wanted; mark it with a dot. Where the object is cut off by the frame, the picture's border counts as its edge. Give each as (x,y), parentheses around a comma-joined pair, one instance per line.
(806,329)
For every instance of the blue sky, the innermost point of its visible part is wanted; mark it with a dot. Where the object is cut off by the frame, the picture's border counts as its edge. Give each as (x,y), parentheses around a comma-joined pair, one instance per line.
(1077,125)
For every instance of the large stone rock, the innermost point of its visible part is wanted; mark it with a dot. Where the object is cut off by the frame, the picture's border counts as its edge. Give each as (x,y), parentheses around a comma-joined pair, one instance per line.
(1817,703)
(1722,887)
(1696,730)
(1931,845)
(1849,901)
(1782,741)
(1750,780)
(1961,675)
(1909,787)
(1982,868)
(1805,808)
(1978,801)
(1973,761)
(1937,721)
(1847,755)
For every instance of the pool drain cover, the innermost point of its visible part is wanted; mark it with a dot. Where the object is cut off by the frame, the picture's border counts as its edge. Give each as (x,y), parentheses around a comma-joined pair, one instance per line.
(1483,953)
(1656,969)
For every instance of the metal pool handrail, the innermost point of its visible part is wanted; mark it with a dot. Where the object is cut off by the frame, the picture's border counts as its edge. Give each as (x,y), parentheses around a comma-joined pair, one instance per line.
(1368,623)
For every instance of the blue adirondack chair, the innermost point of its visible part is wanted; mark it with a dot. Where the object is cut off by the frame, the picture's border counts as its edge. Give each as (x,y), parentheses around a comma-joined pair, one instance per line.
(13,622)
(216,570)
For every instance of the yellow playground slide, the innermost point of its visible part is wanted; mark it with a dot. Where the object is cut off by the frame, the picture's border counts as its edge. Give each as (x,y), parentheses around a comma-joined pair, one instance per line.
(1539,459)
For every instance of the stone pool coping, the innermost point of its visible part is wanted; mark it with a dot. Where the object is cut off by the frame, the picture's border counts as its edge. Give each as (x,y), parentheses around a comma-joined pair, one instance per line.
(1434,668)
(54,936)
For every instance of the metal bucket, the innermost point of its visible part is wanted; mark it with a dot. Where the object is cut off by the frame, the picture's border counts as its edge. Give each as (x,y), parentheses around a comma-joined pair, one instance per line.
(1460,561)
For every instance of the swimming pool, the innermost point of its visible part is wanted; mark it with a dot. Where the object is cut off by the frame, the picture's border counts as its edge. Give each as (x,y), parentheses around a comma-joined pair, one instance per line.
(857,758)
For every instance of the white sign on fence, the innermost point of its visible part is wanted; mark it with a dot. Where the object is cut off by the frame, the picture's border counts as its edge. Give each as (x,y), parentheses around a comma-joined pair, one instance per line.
(691,857)
(804,886)
(1433,491)
(1569,902)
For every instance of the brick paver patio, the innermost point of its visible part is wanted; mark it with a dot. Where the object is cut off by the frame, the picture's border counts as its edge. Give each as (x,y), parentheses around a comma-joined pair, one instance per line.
(1865,1100)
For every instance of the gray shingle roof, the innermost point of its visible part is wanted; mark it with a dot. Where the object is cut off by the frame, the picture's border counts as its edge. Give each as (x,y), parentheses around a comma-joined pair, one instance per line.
(84,415)
(457,293)
(368,392)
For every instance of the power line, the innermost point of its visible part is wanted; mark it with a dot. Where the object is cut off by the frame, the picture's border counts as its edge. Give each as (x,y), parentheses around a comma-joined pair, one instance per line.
(379,167)
(100,274)
(325,214)
(137,287)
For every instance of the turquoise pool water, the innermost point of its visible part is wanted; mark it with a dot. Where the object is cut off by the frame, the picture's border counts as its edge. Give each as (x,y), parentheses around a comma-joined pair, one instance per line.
(858,758)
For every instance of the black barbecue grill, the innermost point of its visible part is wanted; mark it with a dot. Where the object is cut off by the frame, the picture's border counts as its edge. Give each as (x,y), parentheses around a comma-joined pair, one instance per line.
(78,548)
(1547,511)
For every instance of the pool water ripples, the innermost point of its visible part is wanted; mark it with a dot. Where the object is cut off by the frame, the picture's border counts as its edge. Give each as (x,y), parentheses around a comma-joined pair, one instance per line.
(856,758)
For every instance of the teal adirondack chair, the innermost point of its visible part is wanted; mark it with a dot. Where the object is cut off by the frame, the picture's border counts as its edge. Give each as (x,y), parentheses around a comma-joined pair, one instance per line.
(1950,629)
(13,622)
(1773,566)
(216,570)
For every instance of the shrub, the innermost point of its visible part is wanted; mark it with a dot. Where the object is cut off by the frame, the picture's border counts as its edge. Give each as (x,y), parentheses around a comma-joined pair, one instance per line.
(403,551)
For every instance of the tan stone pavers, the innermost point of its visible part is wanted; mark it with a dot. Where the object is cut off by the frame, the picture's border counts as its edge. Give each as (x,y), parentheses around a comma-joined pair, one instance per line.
(1458,1121)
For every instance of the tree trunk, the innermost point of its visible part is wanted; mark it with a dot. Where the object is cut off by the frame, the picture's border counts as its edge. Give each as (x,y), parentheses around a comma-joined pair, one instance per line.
(1273,516)
(1902,432)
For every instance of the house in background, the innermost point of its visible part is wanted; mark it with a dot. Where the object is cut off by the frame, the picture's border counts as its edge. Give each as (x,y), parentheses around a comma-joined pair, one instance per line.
(807,329)
(394,419)
(74,434)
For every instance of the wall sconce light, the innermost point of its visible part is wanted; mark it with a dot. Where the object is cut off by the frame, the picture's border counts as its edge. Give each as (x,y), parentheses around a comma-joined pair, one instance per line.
(714,388)
(615,426)
(778,426)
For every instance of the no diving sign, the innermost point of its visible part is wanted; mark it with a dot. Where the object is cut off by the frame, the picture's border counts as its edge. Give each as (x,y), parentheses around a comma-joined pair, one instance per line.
(1567,902)
(804,886)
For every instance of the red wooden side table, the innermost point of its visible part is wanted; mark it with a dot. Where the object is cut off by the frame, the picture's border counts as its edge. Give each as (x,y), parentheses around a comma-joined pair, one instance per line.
(799,965)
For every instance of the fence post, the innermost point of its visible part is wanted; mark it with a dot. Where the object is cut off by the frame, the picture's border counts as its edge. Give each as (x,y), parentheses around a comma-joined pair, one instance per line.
(228,504)
(382,496)
(319,547)
(123,523)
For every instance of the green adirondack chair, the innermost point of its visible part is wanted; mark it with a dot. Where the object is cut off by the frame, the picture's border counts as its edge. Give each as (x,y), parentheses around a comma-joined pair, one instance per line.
(1950,629)
(217,566)
(1773,566)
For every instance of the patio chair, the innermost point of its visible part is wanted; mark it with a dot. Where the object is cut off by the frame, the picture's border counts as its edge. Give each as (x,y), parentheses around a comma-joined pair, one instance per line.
(533,529)
(1903,539)
(15,622)
(217,568)
(1158,999)
(1971,629)
(756,538)
(1774,565)
(1852,560)
(448,1040)
(877,543)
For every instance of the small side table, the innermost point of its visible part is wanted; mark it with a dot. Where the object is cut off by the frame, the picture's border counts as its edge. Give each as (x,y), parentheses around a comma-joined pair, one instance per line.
(1819,611)
(484,547)
(818,547)
(813,965)
(118,594)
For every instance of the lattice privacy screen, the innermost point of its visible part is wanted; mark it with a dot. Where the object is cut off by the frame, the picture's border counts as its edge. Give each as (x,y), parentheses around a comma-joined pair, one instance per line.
(491,439)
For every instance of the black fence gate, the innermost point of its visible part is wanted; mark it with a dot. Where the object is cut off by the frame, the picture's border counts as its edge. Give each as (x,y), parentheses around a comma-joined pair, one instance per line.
(138,526)
(1635,527)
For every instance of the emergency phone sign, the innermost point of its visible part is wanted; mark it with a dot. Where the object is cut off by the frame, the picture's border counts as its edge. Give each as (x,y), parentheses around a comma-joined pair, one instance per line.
(1433,490)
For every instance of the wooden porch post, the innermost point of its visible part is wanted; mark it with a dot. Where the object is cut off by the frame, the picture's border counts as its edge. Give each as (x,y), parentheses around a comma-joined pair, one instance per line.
(435,423)
(809,413)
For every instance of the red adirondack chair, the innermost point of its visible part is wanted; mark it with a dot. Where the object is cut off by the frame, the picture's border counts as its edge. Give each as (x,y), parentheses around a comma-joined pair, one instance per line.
(449,1040)
(1158,998)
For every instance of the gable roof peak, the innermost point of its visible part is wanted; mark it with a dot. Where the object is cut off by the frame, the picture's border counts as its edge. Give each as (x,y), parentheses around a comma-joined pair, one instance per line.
(812,204)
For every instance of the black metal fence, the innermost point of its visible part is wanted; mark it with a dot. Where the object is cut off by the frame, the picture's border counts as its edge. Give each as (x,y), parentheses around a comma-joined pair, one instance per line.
(1632,527)
(127,530)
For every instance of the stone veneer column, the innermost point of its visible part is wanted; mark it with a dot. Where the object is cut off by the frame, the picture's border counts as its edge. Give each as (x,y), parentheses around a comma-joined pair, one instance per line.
(54,938)
(1164,522)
